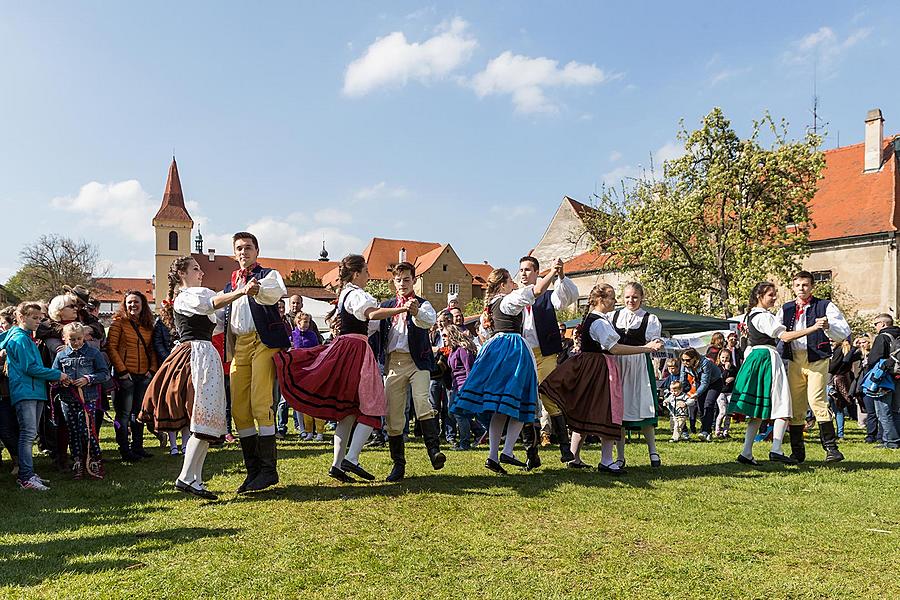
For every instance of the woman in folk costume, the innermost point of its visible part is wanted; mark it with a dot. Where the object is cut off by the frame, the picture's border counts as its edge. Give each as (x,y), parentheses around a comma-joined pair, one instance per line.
(341,381)
(503,380)
(637,327)
(189,387)
(588,387)
(761,390)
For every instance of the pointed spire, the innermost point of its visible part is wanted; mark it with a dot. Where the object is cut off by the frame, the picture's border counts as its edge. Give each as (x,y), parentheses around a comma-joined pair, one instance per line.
(172,208)
(323,255)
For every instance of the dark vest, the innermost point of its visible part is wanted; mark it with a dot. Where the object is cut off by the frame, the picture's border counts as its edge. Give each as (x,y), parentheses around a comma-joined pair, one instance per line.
(631,337)
(504,323)
(545,325)
(193,328)
(349,323)
(589,344)
(268,322)
(817,345)
(416,337)
(757,338)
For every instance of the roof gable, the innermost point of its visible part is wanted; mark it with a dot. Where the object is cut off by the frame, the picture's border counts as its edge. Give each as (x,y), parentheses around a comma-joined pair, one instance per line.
(381,254)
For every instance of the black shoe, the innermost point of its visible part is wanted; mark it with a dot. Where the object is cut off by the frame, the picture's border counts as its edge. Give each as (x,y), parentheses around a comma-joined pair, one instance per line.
(250,450)
(356,469)
(655,462)
(129,456)
(578,465)
(532,458)
(494,466)
(432,438)
(268,465)
(510,460)
(775,457)
(336,473)
(562,437)
(397,449)
(199,492)
(747,461)
(609,470)
(141,453)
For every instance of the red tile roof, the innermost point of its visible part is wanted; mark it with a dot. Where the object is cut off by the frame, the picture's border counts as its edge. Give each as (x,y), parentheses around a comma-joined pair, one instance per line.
(381,254)
(480,272)
(850,202)
(586,263)
(112,289)
(172,208)
(217,273)
(427,260)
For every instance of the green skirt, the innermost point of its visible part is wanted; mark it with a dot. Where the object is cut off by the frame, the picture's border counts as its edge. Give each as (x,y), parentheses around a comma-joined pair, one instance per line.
(752,394)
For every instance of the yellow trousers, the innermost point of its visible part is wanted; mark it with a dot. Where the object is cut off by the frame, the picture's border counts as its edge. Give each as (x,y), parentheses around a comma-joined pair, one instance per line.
(309,423)
(252,381)
(402,373)
(545,366)
(807,382)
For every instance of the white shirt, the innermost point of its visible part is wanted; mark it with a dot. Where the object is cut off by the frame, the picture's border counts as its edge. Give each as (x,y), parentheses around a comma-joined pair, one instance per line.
(195,301)
(629,319)
(564,293)
(766,323)
(398,338)
(515,302)
(271,290)
(838,328)
(603,332)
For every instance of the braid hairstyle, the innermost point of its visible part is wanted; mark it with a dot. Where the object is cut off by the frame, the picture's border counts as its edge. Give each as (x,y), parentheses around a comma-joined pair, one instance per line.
(350,266)
(176,269)
(496,279)
(601,290)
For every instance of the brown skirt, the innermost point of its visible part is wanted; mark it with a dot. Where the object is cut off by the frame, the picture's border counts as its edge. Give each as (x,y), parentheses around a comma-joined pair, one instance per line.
(581,388)
(169,400)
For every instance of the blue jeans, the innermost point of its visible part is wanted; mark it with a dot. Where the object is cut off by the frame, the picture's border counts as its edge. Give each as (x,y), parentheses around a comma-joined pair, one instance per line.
(128,404)
(439,404)
(9,426)
(281,418)
(838,415)
(886,409)
(873,433)
(28,413)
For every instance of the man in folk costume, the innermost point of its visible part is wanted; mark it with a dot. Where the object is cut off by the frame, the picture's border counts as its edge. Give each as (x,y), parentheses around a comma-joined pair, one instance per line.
(807,361)
(254,333)
(405,350)
(540,331)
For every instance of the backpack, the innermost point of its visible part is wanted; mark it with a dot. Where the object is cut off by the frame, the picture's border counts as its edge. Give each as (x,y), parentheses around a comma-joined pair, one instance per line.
(893,356)
(877,382)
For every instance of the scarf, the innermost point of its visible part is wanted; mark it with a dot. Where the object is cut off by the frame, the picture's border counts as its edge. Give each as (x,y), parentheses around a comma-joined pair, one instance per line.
(241,276)
(401,302)
(798,312)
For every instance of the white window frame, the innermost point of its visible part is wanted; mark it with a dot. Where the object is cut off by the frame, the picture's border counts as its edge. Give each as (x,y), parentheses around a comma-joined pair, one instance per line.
(453,288)
(439,288)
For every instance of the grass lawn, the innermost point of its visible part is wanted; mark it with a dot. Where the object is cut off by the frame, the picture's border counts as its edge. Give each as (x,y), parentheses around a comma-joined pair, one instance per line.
(700,526)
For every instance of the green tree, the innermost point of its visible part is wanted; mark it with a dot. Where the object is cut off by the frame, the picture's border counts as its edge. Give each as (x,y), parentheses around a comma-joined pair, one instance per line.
(474,307)
(381,289)
(726,214)
(52,262)
(305,278)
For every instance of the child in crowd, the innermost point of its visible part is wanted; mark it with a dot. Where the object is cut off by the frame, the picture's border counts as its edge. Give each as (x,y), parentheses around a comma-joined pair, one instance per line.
(87,370)
(462,356)
(678,404)
(303,336)
(9,426)
(729,372)
(28,379)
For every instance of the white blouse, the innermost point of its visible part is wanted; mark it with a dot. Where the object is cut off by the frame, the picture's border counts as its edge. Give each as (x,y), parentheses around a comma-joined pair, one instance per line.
(195,301)
(767,323)
(515,302)
(632,320)
(356,301)
(603,332)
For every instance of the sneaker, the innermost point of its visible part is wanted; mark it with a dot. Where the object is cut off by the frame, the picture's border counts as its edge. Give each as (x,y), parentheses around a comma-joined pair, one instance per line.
(686,436)
(34,483)
(704,437)
(320,438)
(173,452)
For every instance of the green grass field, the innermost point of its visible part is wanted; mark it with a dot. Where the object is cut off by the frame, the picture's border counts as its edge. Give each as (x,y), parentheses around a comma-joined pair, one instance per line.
(701,526)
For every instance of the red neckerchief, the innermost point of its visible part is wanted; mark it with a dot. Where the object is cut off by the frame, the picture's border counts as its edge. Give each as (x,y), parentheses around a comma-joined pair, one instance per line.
(402,301)
(240,277)
(800,307)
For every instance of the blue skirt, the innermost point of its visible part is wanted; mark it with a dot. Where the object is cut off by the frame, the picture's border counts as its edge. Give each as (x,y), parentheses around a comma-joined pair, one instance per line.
(502,380)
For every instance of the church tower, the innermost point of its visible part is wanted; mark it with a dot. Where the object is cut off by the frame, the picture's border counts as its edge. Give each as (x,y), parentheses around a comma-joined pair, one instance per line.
(173,225)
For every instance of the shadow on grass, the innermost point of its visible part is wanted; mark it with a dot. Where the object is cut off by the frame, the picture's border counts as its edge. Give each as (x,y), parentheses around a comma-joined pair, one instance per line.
(30,563)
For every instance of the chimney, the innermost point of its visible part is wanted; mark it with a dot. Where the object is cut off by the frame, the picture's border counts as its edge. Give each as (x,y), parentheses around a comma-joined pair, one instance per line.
(402,255)
(874,136)
(212,254)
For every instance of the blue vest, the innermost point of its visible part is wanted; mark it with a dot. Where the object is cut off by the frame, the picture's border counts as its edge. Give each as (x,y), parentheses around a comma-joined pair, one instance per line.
(546,325)
(817,345)
(417,338)
(269,324)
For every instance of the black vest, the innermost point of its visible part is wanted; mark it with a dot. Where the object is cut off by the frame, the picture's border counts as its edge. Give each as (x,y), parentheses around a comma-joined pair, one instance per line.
(193,328)
(631,337)
(589,344)
(545,325)
(269,324)
(817,345)
(757,338)
(416,337)
(504,323)
(349,323)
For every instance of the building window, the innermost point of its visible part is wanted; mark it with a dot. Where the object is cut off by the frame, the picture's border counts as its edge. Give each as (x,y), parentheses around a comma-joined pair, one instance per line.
(445,268)
(173,240)
(822,284)
(439,288)
(821,277)
(453,288)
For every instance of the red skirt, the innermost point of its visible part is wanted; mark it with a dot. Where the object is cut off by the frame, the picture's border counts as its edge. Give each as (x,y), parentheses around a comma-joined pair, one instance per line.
(334,381)
(588,391)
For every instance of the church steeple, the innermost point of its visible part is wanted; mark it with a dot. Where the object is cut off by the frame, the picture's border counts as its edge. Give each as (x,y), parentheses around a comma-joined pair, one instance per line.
(172,208)
(323,255)
(173,225)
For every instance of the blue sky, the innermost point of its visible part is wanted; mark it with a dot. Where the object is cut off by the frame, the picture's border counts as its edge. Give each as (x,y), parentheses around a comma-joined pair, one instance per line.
(453,121)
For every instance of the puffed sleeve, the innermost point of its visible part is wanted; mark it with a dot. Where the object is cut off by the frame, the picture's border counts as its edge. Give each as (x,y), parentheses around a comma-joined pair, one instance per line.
(515,302)
(604,334)
(766,323)
(426,316)
(195,301)
(564,293)
(654,328)
(271,289)
(358,301)
(838,328)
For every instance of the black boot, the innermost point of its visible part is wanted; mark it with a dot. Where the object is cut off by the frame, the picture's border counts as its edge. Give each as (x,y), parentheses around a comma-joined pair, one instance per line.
(250,450)
(433,442)
(122,441)
(268,462)
(137,440)
(829,442)
(531,435)
(562,435)
(396,446)
(798,449)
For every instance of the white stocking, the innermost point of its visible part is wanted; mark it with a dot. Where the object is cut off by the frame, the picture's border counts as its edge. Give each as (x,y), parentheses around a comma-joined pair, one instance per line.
(513,429)
(778,435)
(360,436)
(342,438)
(575,444)
(750,437)
(606,451)
(495,432)
(649,432)
(194,455)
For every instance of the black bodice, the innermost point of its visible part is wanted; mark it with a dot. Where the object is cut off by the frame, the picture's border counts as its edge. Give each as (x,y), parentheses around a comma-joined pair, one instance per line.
(349,323)
(631,337)
(504,323)
(589,344)
(755,337)
(193,327)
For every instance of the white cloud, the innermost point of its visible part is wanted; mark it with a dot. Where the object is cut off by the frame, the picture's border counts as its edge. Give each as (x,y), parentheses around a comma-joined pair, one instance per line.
(392,60)
(332,216)
(121,206)
(511,213)
(283,238)
(668,151)
(615,156)
(380,190)
(726,74)
(526,80)
(824,47)
(612,178)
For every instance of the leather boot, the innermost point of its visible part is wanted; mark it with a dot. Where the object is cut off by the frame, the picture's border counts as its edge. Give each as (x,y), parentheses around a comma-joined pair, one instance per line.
(268,463)
(249,448)
(829,442)
(398,455)
(798,449)
(562,435)
(532,438)
(137,440)
(433,442)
